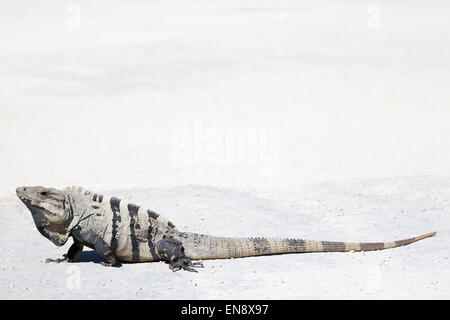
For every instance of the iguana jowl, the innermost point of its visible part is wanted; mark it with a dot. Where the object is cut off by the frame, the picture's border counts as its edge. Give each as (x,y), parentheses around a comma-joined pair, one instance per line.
(121,231)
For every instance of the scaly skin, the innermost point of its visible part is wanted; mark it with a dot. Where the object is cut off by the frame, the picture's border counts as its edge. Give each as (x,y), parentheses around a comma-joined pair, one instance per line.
(121,231)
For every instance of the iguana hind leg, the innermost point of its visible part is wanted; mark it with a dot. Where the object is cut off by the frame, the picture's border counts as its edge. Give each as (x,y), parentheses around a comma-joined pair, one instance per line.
(72,255)
(172,251)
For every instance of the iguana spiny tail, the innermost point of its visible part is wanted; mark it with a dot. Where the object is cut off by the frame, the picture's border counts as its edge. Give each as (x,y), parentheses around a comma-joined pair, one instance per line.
(121,231)
(198,246)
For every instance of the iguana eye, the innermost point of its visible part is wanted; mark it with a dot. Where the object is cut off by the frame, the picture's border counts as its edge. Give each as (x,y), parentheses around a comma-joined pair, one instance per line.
(44,193)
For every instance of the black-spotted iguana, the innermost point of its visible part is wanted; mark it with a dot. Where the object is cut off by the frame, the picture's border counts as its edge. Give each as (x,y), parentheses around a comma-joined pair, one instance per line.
(121,231)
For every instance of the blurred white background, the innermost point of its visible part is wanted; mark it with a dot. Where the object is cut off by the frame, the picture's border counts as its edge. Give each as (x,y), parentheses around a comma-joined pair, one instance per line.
(94,94)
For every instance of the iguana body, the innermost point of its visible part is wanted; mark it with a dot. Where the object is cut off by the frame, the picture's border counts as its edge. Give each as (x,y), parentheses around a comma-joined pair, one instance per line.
(121,231)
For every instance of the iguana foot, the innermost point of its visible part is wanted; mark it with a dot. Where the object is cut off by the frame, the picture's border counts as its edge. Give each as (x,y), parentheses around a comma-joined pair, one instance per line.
(172,251)
(185,264)
(111,264)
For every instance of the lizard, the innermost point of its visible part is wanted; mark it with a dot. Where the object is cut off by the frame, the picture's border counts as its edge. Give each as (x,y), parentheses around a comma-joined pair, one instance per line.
(124,232)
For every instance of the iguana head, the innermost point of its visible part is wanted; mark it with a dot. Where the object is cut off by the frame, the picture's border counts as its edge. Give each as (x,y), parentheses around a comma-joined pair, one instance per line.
(51,211)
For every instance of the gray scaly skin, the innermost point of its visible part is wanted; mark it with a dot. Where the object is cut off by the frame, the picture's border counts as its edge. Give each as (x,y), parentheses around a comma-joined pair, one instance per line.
(120,231)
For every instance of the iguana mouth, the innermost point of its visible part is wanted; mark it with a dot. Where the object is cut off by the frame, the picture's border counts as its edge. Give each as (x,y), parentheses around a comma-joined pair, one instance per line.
(26,201)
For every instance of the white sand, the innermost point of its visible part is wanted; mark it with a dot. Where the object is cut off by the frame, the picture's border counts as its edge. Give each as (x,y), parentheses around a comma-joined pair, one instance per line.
(338,115)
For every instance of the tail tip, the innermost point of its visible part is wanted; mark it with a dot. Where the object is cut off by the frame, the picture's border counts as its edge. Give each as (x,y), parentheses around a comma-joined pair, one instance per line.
(431,234)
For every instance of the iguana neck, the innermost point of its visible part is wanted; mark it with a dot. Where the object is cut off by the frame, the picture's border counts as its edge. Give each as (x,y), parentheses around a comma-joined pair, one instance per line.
(79,209)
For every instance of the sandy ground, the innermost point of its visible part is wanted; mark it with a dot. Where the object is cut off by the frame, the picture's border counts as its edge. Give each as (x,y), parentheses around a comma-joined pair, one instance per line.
(313,119)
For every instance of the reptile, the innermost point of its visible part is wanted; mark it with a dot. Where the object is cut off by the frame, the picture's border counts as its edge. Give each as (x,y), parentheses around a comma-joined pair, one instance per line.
(124,232)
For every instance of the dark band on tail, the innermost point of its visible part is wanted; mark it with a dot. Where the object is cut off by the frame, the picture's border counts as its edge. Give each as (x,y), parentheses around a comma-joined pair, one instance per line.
(370,246)
(330,246)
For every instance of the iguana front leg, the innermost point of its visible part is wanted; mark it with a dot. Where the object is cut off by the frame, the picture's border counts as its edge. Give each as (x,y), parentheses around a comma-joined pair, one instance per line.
(172,251)
(72,255)
(93,240)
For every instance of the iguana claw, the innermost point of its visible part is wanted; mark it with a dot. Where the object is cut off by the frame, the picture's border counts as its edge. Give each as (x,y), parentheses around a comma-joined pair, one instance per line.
(59,260)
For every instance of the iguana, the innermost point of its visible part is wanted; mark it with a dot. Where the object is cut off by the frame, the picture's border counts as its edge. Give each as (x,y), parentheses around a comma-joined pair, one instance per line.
(120,231)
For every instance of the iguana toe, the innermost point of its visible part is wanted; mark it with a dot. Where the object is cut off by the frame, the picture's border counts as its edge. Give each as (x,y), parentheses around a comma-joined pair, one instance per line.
(59,260)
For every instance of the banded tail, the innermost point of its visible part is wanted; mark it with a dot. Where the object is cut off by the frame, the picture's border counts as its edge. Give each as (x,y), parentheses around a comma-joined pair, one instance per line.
(201,247)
